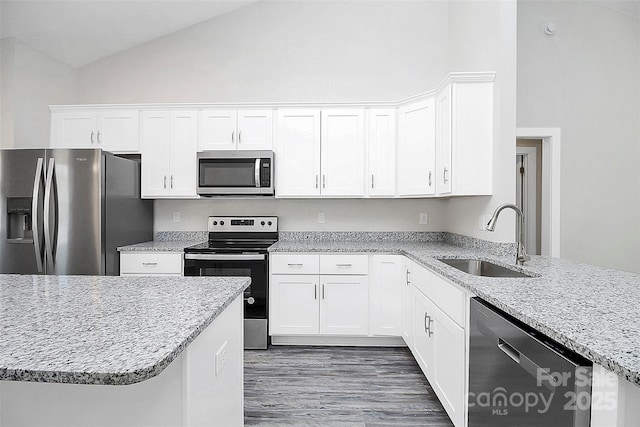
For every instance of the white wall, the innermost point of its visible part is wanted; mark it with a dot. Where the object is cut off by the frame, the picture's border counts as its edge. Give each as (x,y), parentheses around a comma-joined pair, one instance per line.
(321,51)
(482,36)
(31,81)
(586,81)
(302,215)
(291,52)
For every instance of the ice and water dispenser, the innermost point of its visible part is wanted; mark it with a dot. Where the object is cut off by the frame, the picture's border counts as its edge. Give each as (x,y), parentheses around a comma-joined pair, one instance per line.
(19,220)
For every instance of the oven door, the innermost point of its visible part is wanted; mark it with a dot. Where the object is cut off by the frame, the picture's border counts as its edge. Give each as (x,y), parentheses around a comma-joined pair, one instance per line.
(252,265)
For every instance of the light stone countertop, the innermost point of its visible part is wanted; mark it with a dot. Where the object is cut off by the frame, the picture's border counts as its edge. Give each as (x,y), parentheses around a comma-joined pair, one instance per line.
(103,330)
(591,310)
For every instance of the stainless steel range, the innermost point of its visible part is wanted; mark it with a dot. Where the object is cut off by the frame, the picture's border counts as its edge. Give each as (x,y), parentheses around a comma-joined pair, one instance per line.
(237,246)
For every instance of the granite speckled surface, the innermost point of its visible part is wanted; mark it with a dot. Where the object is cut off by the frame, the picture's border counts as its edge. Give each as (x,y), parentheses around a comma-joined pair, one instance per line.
(103,330)
(176,246)
(591,310)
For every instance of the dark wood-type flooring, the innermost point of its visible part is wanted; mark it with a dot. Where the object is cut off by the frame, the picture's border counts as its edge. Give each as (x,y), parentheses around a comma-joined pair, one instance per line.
(338,386)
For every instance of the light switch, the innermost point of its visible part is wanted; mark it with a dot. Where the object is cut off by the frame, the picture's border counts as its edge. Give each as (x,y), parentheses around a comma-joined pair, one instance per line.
(176,217)
(321,218)
(423,218)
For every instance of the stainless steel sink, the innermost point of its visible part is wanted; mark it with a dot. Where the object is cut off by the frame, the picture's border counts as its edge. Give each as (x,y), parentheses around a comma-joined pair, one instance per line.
(482,268)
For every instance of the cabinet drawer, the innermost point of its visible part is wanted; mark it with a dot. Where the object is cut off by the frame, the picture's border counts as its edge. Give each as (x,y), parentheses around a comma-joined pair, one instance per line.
(150,263)
(344,264)
(447,296)
(294,264)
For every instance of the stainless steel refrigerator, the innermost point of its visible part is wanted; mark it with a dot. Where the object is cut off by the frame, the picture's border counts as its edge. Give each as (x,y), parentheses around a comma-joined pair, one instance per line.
(66,211)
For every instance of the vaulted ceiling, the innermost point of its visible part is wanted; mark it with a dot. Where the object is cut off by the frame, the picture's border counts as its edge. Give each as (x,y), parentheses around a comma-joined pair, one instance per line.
(78,32)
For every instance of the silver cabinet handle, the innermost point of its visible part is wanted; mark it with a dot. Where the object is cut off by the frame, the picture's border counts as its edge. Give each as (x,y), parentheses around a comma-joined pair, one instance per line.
(34,214)
(427,325)
(323,291)
(315,291)
(92,137)
(316,180)
(239,137)
(429,178)
(98,137)
(149,263)
(233,136)
(295,264)
(408,281)
(344,265)
(171,181)
(371,180)
(165,181)
(444,175)
(324,181)
(256,172)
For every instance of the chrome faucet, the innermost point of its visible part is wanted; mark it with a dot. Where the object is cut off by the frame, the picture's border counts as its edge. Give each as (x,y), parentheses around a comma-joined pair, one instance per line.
(521,255)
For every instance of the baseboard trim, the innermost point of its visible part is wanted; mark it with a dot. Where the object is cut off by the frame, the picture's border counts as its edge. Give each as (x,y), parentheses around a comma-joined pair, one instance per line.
(337,341)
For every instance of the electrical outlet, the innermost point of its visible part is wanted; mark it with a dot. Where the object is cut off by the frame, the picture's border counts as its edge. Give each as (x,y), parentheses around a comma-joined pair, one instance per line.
(176,217)
(482,221)
(221,358)
(424,218)
(321,218)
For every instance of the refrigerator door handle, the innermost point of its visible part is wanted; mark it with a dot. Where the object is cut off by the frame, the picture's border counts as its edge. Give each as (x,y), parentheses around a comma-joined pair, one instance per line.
(49,239)
(34,214)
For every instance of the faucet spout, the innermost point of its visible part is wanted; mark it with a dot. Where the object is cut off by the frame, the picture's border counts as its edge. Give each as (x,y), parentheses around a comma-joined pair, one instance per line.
(521,255)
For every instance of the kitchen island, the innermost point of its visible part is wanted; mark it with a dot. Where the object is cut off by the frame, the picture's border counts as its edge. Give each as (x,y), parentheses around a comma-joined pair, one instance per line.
(105,351)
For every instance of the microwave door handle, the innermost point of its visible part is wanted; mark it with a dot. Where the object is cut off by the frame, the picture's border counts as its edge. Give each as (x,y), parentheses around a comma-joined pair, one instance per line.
(257,172)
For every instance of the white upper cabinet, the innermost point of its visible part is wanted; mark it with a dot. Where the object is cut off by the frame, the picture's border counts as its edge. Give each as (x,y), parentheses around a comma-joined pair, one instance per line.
(169,140)
(381,143)
(472,138)
(235,130)
(342,160)
(443,141)
(113,130)
(416,148)
(297,160)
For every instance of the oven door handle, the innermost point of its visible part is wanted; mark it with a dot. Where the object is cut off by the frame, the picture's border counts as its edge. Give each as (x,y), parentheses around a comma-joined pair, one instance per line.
(226,257)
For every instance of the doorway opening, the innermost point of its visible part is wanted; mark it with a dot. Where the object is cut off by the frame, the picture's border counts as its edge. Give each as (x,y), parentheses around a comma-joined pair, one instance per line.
(529,190)
(546,144)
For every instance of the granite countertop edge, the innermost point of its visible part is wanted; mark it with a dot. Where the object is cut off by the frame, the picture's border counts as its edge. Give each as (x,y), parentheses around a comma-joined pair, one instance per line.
(119,378)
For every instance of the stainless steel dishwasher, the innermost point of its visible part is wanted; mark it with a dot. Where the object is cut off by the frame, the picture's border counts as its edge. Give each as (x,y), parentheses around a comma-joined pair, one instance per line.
(520,377)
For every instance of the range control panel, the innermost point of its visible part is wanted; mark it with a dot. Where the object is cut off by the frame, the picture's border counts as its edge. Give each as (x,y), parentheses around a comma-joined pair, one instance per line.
(242,223)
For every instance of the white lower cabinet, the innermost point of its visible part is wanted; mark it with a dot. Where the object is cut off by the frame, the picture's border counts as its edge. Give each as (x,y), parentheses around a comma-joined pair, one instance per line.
(386,286)
(315,303)
(407,304)
(151,264)
(439,343)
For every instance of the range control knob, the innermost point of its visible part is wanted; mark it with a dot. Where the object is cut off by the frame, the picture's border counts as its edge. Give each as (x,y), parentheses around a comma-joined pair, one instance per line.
(269,223)
(221,222)
(262,223)
(215,222)
(251,300)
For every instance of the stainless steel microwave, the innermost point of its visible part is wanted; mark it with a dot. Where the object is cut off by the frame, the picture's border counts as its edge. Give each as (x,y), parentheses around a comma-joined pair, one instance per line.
(241,173)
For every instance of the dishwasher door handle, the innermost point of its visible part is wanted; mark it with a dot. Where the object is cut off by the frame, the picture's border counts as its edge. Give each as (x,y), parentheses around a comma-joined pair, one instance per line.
(542,376)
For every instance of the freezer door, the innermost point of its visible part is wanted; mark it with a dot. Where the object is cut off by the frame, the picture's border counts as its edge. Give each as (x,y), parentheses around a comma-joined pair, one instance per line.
(73,212)
(21,226)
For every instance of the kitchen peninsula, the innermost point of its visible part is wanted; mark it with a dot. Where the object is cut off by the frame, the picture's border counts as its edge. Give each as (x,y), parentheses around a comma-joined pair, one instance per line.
(103,351)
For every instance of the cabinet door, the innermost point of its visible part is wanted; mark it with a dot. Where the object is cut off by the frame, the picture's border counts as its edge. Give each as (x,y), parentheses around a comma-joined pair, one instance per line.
(344,302)
(74,129)
(298,153)
(342,153)
(423,334)
(443,141)
(448,358)
(255,130)
(119,131)
(155,146)
(416,149)
(385,299)
(182,180)
(407,305)
(293,304)
(381,138)
(217,130)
